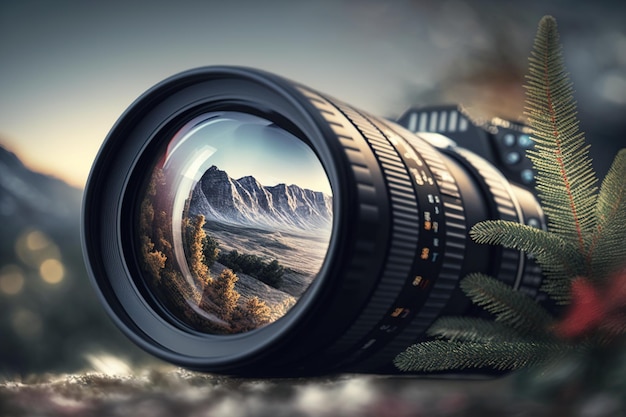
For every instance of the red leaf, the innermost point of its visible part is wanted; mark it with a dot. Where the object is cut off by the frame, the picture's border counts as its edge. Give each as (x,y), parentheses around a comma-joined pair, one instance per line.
(585,312)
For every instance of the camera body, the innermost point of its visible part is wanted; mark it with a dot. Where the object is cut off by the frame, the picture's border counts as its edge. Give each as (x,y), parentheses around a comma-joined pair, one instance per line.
(501,142)
(218,180)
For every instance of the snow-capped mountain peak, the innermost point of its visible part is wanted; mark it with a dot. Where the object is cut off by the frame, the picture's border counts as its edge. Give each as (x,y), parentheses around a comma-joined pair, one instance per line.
(246,201)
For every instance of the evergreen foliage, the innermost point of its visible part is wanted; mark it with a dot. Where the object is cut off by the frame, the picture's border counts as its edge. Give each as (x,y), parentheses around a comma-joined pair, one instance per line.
(566,182)
(270,273)
(443,355)
(517,310)
(252,315)
(197,261)
(211,250)
(607,245)
(224,293)
(586,237)
(558,257)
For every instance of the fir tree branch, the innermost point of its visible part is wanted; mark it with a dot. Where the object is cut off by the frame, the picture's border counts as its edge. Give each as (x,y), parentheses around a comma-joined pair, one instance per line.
(440,355)
(559,259)
(469,329)
(566,182)
(510,307)
(586,237)
(608,248)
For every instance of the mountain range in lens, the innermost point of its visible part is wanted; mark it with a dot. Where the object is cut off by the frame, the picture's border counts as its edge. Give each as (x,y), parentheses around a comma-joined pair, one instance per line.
(245,201)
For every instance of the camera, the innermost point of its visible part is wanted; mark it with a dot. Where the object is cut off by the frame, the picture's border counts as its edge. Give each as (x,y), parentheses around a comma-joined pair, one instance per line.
(240,223)
(503,143)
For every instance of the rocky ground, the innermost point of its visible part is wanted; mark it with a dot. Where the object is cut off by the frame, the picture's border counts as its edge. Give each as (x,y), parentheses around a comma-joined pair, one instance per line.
(166,392)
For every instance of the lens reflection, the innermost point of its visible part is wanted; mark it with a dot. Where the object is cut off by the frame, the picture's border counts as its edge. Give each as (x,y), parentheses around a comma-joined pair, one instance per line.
(234,224)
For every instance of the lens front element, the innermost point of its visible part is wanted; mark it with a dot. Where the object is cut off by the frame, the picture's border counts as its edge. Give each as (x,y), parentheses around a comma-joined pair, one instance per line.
(233,224)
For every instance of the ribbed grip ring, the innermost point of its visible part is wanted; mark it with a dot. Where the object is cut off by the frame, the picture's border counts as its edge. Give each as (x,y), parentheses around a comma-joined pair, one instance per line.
(404,231)
(404,216)
(453,234)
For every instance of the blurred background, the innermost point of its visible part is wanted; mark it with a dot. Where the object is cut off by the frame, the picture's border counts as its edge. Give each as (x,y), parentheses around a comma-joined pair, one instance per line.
(69,69)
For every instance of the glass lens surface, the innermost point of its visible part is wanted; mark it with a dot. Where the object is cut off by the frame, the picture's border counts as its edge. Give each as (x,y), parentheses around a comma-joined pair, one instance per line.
(234,224)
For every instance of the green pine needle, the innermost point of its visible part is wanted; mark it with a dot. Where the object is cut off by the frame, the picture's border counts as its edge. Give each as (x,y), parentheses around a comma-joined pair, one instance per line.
(558,258)
(443,355)
(566,182)
(469,329)
(608,248)
(586,237)
(576,244)
(510,307)
(552,251)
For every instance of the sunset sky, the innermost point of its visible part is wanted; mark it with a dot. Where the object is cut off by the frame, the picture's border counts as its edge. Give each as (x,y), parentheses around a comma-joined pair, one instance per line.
(69,69)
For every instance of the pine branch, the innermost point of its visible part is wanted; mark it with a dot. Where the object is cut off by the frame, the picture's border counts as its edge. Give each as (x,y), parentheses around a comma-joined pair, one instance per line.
(586,237)
(608,249)
(440,355)
(566,182)
(468,329)
(509,306)
(559,259)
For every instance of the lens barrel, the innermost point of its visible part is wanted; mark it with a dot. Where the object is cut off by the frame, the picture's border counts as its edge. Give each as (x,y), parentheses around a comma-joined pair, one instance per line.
(388,210)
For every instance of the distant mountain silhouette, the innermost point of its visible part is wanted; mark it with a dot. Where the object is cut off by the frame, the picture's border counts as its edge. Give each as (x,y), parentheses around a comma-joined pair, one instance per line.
(245,201)
(31,199)
(47,327)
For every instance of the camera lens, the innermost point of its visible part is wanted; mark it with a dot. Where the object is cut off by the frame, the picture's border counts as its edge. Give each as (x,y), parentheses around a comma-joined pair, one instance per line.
(233,222)
(240,223)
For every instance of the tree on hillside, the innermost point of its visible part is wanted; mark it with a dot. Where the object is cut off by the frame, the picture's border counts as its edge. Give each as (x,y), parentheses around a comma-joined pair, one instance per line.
(253,314)
(224,294)
(211,248)
(272,274)
(154,261)
(197,263)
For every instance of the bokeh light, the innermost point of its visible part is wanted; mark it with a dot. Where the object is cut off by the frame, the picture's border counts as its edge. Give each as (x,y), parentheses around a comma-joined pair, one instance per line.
(52,271)
(11,280)
(36,240)
(35,248)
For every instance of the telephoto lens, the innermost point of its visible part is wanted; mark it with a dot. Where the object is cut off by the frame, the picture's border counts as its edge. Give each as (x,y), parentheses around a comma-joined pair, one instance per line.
(240,223)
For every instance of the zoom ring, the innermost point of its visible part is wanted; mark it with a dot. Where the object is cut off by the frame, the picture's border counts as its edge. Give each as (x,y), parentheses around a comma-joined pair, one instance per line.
(404,207)
(454,230)
(404,231)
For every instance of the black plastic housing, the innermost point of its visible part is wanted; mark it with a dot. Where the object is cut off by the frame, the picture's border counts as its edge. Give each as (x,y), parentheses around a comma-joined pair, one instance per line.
(387,275)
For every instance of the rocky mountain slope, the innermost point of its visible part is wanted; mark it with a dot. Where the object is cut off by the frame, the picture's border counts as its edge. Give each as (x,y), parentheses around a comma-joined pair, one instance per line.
(245,201)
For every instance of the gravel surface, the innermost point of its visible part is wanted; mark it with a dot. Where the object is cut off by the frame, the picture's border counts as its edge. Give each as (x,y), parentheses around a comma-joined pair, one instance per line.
(175,392)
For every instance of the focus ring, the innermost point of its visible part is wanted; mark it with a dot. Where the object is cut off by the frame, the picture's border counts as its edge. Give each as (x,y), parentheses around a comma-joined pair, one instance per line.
(512,262)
